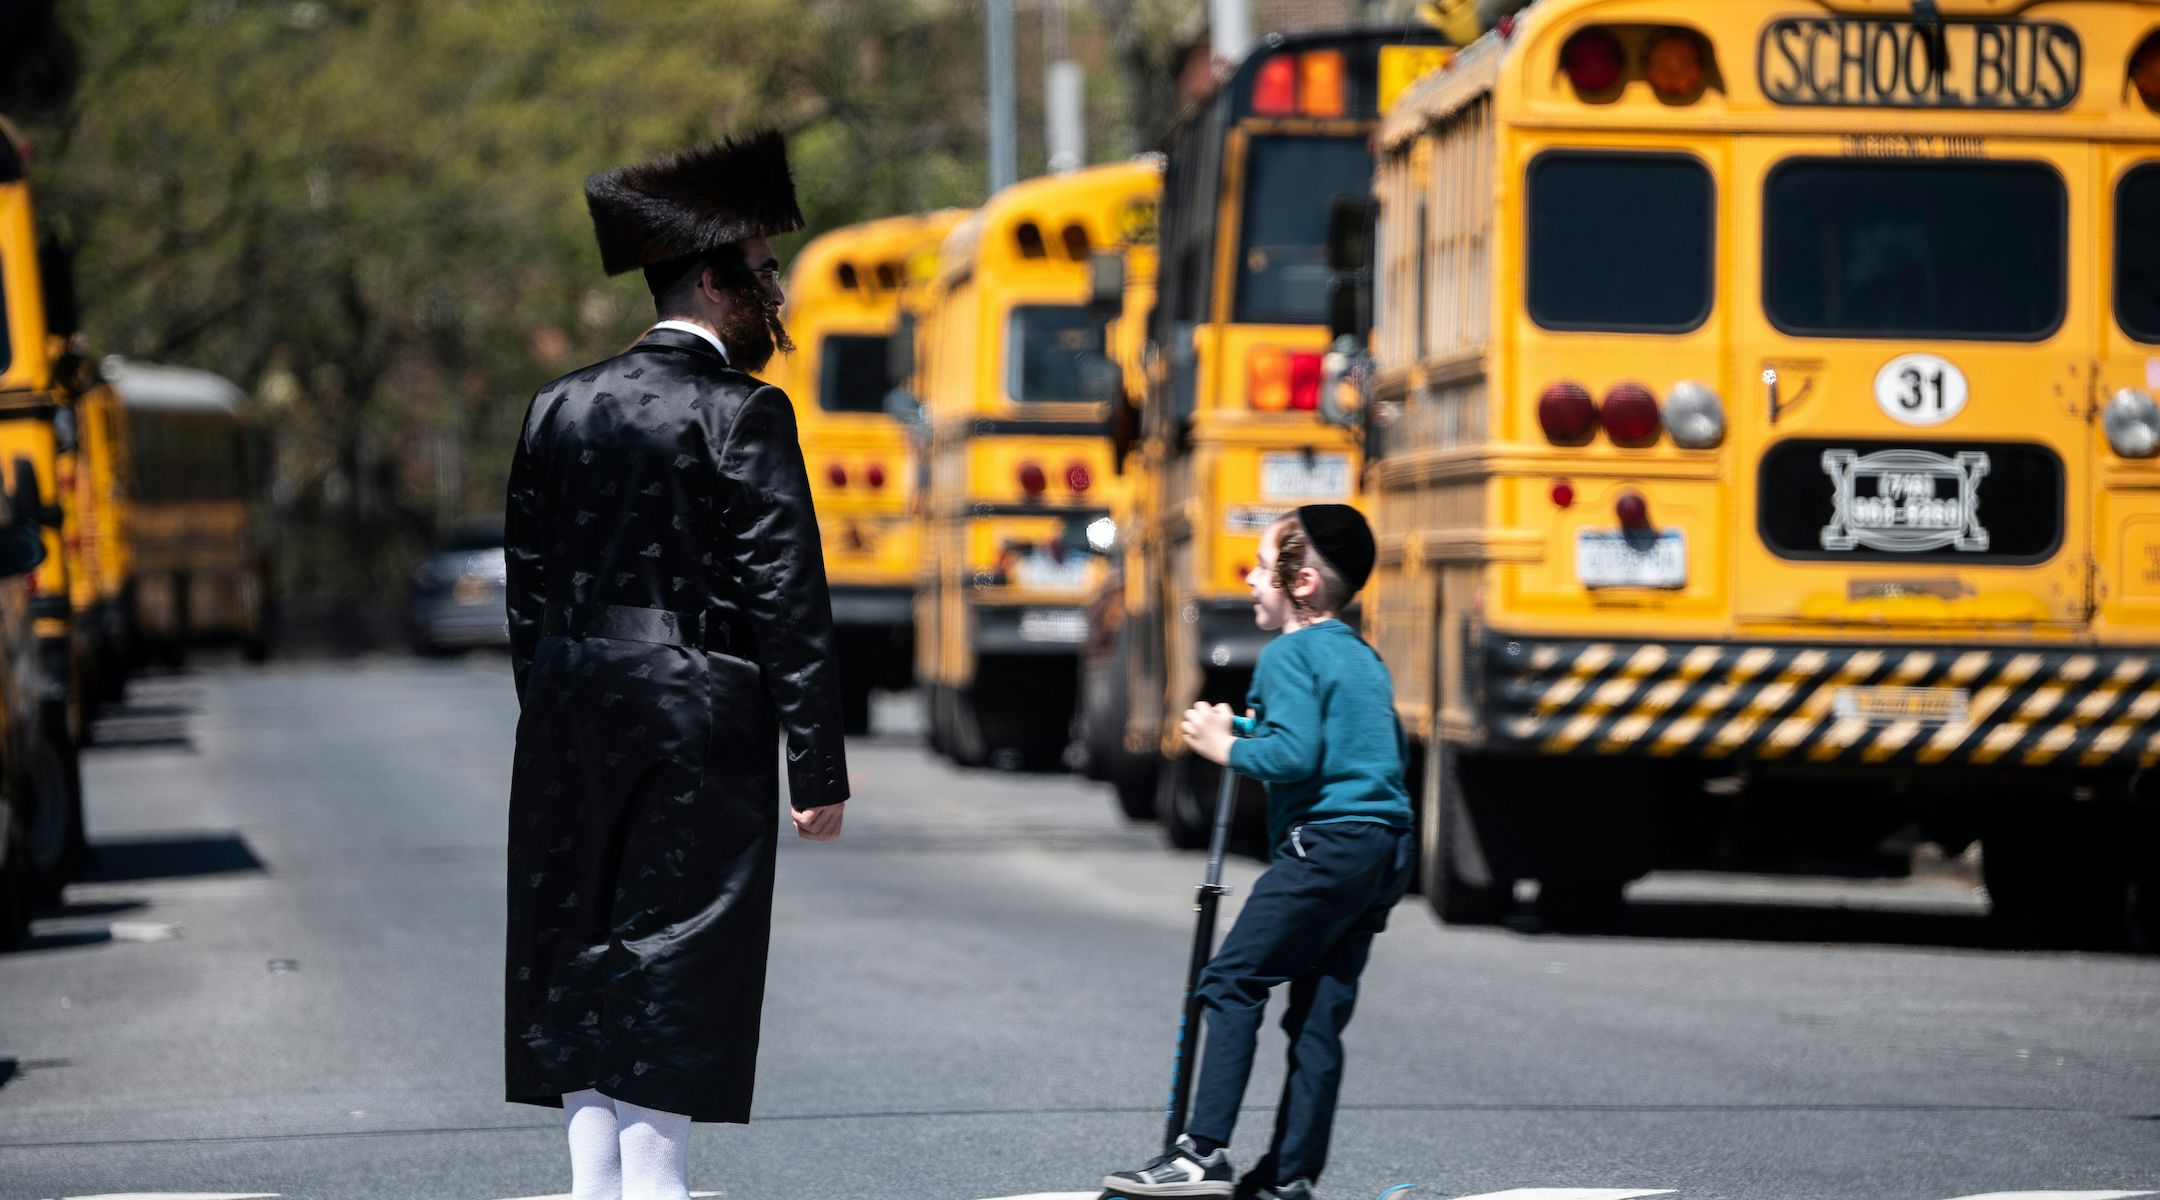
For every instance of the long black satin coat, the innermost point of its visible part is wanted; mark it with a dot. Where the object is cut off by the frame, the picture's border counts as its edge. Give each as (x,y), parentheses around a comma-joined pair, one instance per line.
(644,801)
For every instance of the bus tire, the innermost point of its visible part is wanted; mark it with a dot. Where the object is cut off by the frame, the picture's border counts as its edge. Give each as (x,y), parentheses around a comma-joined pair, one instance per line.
(15,882)
(1135,780)
(964,740)
(1460,885)
(2043,887)
(855,704)
(1182,796)
(56,839)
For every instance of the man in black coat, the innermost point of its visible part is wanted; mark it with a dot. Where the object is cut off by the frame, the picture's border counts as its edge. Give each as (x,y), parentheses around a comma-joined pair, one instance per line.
(668,620)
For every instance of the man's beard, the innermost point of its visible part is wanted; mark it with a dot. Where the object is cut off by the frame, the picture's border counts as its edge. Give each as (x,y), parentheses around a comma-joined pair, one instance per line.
(752,331)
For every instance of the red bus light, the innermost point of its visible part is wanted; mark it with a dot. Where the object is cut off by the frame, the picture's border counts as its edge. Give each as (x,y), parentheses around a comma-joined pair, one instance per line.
(1305,381)
(1077,477)
(1566,413)
(875,476)
(1274,92)
(1032,479)
(1563,493)
(1630,414)
(836,475)
(2145,69)
(1592,60)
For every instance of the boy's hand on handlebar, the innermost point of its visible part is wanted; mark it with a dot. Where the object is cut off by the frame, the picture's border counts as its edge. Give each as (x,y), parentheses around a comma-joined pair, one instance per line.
(818,824)
(1206,730)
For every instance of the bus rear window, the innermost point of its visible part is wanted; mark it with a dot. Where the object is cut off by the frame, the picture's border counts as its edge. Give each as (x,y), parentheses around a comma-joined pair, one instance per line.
(1619,242)
(1943,250)
(851,373)
(1290,183)
(1047,349)
(2137,253)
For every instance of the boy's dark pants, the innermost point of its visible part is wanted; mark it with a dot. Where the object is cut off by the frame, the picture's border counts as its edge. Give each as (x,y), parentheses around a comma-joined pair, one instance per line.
(1310,923)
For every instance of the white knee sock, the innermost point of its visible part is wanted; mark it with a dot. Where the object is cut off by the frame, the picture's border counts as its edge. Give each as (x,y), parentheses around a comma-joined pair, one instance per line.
(595,1153)
(655,1153)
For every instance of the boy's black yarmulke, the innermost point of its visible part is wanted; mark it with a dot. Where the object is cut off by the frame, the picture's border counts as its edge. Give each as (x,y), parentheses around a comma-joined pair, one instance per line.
(1342,537)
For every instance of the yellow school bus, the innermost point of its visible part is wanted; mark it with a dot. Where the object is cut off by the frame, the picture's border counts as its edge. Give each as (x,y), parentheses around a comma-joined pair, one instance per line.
(89,471)
(1762,444)
(1227,436)
(1011,369)
(842,304)
(36,374)
(200,557)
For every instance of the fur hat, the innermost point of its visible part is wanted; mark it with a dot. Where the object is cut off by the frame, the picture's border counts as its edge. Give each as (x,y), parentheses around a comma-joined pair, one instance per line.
(1342,537)
(693,202)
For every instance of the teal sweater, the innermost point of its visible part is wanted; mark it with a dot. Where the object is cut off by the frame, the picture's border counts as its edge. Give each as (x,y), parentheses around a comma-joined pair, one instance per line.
(1324,740)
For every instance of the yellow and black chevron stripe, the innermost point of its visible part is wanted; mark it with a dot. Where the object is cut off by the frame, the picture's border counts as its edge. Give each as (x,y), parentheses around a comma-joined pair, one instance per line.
(2001,705)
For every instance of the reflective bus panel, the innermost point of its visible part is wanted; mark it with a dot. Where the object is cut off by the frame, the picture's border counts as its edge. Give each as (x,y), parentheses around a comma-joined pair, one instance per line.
(1761,398)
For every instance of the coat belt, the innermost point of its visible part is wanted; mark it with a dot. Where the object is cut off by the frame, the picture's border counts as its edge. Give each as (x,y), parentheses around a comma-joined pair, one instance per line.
(712,629)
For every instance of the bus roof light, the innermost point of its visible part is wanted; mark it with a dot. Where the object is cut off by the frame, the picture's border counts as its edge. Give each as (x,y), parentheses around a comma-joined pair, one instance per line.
(874,475)
(836,474)
(1274,92)
(1320,83)
(1673,63)
(1078,477)
(1592,60)
(2132,421)
(1694,415)
(1629,414)
(1032,479)
(2145,69)
(1566,413)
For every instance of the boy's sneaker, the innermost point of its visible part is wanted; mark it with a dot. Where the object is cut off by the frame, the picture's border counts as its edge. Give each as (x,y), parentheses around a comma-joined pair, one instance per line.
(1296,1189)
(1184,1172)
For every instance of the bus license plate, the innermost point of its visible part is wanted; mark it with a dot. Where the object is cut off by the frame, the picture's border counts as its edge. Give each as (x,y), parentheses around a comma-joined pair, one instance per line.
(1888,705)
(1042,571)
(1066,626)
(1294,476)
(1607,558)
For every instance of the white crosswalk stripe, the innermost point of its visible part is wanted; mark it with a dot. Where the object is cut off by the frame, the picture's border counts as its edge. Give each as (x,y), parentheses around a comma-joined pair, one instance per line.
(1571,1194)
(694,1196)
(177,1196)
(2053,1196)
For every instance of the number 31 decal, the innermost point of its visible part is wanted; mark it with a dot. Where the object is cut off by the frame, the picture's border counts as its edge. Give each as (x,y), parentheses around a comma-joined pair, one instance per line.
(1920,389)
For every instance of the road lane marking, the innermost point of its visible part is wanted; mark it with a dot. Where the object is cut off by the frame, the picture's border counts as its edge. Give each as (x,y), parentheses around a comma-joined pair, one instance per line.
(2053,1196)
(566,1196)
(177,1196)
(1571,1194)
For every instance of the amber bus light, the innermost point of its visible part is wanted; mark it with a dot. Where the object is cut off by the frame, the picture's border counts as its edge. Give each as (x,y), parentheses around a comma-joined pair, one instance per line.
(1673,63)
(1320,83)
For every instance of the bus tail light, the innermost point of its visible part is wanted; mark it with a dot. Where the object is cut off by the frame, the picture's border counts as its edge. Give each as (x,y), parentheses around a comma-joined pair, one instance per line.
(1274,92)
(1032,479)
(1279,380)
(1566,413)
(1632,510)
(836,475)
(2145,69)
(1563,494)
(1077,476)
(1592,60)
(1629,414)
(1320,83)
(1673,63)
(2132,421)
(1694,416)
(874,475)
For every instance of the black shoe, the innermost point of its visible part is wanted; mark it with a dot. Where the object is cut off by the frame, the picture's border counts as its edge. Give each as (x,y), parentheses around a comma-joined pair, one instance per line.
(1184,1172)
(1296,1189)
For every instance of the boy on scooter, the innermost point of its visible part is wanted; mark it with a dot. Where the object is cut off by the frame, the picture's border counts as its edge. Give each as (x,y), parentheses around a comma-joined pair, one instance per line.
(1325,741)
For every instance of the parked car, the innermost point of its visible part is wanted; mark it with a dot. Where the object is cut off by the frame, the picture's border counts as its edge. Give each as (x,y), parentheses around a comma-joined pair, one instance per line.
(457,592)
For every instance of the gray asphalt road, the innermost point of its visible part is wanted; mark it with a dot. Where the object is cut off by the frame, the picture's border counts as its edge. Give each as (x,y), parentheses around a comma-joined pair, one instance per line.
(285,980)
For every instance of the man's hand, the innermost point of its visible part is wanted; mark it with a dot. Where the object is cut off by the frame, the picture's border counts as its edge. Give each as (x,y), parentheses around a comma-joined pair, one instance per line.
(1206,730)
(818,824)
